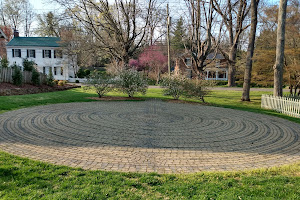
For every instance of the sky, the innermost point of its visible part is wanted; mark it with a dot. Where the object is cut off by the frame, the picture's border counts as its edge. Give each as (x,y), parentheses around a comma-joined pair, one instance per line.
(177,7)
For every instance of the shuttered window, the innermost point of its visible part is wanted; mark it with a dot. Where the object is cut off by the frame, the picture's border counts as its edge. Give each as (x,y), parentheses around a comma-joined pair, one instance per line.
(16,53)
(57,53)
(30,53)
(46,53)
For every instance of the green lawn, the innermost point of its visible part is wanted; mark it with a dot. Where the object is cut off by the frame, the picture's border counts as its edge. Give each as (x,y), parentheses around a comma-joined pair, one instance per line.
(21,178)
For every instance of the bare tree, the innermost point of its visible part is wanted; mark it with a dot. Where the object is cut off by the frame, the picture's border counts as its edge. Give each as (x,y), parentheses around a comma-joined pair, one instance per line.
(156,20)
(2,14)
(250,50)
(29,16)
(233,13)
(279,63)
(14,12)
(200,37)
(119,28)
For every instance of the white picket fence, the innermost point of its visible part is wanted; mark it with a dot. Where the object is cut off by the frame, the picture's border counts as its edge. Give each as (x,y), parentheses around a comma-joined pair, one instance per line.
(285,105)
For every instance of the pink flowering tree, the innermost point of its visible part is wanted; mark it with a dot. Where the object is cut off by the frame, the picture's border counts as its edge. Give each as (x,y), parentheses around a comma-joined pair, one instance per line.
(136,65)
(153,58)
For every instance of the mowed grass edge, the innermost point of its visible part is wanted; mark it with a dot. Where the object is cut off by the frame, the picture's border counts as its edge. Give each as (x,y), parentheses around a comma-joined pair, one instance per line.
(21,178)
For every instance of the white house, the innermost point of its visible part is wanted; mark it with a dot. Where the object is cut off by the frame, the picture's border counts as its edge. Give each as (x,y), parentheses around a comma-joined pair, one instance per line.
(45,52)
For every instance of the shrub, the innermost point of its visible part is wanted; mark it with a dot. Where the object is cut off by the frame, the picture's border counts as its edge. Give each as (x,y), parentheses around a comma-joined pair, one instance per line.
(173,86)
(17,75)
(151,81)
(81,73)
(99,82)
(77,81)
(28,65)
(222,82)
(130,82)
(197,88)
(61,83)
(50,79)
(87,72)
(35,78)
(55,82)
(4,63)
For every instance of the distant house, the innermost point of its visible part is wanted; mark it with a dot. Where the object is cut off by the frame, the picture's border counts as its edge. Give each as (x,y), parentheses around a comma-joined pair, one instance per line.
(3,39)
(216,67)
(44,51)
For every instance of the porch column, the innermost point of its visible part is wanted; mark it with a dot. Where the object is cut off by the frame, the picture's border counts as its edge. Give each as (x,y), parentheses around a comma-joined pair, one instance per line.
(226,75)
(217,75)
(207,72)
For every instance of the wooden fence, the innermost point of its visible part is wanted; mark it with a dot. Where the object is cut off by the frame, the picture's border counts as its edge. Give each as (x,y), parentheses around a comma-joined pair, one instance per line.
(7,73)
(285,105)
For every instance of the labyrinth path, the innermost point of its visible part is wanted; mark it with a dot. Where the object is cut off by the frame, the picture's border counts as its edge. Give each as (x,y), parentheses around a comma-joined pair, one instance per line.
(149,136)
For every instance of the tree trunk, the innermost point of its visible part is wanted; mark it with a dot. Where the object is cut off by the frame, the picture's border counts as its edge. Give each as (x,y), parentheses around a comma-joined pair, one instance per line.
(291,89)
(231,67)
(250,50)
(158,78)
(278,66)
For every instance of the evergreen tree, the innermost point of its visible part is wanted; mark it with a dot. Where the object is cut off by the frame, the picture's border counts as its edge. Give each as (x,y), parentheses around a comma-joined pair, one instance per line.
(49,25)
(177,41)
(4,63)
(17,75)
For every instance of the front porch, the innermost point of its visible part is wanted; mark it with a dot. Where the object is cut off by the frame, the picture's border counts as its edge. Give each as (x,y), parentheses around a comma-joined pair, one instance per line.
(219,75)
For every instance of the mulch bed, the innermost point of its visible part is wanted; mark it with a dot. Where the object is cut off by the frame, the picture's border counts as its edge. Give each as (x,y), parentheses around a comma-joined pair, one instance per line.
(109,98)
(8,89)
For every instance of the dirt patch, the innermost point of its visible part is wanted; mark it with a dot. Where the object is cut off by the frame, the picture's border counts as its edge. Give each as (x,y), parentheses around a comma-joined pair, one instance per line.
(109,98)
(8,89)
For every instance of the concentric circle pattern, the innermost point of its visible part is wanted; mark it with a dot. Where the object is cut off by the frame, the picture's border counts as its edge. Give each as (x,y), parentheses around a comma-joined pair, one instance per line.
(149,136)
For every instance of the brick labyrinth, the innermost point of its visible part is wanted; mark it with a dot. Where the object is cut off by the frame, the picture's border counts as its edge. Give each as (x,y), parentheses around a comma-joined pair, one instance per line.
(150,136)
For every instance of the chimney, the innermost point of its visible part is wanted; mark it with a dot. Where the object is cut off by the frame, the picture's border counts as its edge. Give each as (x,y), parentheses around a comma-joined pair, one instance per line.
(16,33)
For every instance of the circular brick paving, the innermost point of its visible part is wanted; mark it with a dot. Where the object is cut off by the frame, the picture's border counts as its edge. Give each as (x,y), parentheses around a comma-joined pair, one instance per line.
(150,136)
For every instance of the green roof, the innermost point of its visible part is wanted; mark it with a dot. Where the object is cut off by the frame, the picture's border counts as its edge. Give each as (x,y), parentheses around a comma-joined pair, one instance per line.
(35,41)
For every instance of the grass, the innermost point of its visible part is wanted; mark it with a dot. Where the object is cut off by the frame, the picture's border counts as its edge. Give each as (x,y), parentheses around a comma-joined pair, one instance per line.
(21,178)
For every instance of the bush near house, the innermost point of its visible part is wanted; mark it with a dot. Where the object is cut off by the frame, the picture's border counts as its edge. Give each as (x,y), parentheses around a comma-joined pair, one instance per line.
(28,65)
(35,79)
(61,83)
(50,79)
(17,75)
(4,63)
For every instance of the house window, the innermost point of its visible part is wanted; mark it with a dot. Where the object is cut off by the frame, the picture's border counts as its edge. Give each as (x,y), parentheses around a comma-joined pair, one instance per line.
(16,53)
(55,71)
(46,53)
(44,70)
(62,71)
(50,70)
(188,62)
(57,53)
(30,53)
